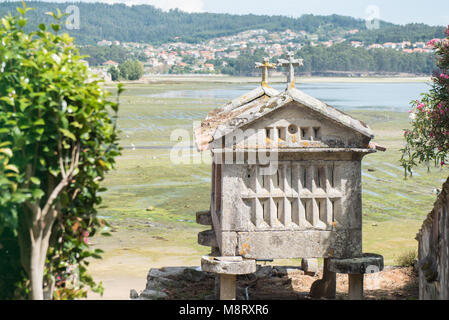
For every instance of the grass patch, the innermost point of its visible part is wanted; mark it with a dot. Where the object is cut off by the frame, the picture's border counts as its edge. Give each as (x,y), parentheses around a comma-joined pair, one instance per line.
(407,259)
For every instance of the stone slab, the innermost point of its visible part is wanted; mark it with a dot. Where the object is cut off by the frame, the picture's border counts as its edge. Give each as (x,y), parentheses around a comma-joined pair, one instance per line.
(367,263)
(228,266)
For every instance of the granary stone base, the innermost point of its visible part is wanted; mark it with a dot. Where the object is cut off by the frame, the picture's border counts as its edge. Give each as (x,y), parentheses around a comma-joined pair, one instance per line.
(292,244)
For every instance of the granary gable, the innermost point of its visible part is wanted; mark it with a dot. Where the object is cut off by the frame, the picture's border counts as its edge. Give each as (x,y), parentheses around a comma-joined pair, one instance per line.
(265,102)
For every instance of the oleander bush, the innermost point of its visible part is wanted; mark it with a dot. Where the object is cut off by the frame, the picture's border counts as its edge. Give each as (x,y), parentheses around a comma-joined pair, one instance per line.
(58,139)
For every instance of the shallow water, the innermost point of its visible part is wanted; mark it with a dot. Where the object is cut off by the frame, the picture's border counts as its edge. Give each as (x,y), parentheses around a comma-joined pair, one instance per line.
(346,96)
(372,193)
(364,174)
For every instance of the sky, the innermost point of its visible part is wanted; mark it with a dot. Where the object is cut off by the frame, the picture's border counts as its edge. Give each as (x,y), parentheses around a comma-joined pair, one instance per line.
(432,12)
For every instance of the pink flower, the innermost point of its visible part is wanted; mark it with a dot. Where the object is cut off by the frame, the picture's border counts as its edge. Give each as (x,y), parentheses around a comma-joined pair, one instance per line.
(85,235)
(420,106)
(444,76)
(433,42)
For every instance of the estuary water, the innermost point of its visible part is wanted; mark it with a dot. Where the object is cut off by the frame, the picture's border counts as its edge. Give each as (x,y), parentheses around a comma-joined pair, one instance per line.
(385,96)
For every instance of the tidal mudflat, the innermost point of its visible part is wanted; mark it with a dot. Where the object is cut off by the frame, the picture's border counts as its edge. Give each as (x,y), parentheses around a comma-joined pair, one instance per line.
(151,201)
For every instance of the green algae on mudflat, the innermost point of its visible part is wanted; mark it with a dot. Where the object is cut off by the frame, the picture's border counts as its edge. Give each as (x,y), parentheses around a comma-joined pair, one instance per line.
(147,177)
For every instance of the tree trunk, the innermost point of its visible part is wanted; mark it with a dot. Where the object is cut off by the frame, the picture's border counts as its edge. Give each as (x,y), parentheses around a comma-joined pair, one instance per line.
(34,241)
(36,271)
(39,250)
(36,224)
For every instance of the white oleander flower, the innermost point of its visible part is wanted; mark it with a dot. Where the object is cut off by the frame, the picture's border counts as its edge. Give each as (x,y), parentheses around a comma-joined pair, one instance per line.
(64,105)
(56,58)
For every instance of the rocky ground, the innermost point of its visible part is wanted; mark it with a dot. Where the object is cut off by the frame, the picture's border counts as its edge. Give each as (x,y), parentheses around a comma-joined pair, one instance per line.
(273,283)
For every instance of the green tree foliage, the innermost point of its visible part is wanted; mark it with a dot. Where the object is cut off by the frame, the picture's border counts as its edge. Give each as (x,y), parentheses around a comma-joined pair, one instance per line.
(339,57)
(344,57)
(11,271)
(243,65)
(97,55)
(144,23)
(131,70)
(413,32)
(428,138)
(114,72)
(58,140)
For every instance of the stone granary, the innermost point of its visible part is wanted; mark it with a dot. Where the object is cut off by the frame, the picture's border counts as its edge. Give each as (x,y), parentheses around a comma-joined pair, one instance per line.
(286,183)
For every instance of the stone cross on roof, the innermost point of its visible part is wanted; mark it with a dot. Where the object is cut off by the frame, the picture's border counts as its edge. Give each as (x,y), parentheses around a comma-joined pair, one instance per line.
(265,66)
(291,63)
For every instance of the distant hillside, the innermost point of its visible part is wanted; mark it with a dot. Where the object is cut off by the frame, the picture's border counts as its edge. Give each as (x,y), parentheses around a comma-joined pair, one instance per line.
(145,23)
(413,32)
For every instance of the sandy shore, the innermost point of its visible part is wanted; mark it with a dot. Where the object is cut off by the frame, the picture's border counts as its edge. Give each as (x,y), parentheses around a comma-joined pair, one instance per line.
(127,258)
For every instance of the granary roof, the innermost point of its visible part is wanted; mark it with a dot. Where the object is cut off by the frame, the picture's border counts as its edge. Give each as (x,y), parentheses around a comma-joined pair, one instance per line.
(260,102)
(224,116)
(264,100)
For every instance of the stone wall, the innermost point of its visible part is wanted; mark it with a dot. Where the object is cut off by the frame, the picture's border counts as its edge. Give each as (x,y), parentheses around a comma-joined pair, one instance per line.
(433,251)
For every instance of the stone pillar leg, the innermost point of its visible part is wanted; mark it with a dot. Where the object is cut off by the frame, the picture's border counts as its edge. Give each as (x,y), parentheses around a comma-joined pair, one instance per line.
(227,286)
(228,268)
(355,286)
(327,286)
(215,252)
(217,287)
(309,266)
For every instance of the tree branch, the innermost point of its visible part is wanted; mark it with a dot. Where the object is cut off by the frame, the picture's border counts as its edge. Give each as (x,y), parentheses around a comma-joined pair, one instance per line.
(61,161)
(63,183)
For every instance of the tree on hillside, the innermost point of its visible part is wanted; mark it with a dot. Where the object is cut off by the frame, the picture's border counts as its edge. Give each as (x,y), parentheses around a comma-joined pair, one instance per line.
(97,55)
(57,141)
(145,23)
(114,72)
(131,70)
(339,57)
(428,138)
